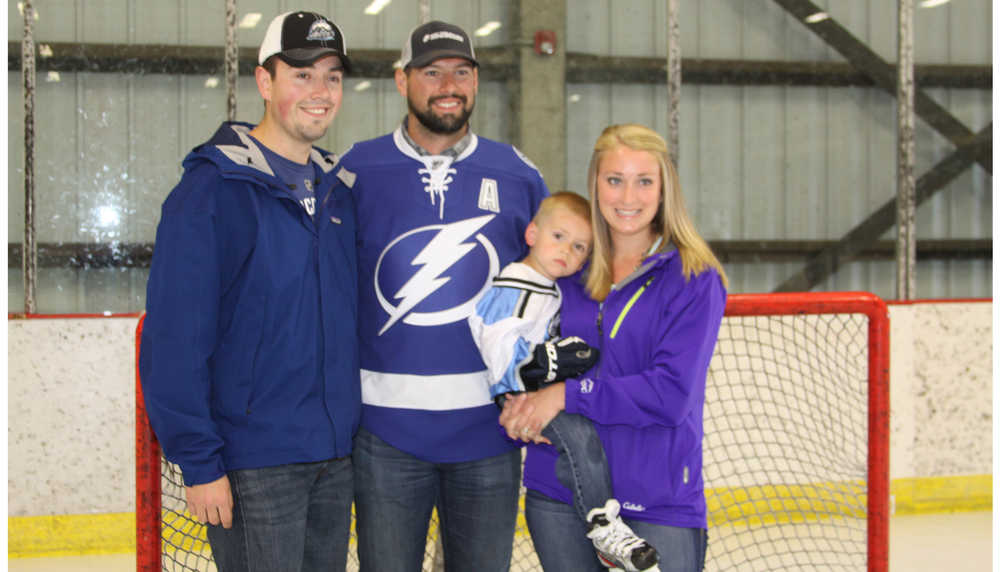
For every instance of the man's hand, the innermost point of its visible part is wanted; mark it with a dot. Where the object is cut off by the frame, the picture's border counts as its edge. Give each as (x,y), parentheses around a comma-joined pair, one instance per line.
(212,502)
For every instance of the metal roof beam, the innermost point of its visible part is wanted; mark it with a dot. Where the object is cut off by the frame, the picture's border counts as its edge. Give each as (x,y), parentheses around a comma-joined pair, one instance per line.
(970,150)
(498,65)
(86,255)
(881,72)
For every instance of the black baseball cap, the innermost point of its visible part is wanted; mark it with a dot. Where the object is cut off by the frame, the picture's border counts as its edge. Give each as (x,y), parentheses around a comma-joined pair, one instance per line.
(301,38)
(433,41)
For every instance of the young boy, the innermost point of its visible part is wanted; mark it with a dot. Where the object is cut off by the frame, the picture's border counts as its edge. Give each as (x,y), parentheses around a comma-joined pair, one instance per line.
(516,327)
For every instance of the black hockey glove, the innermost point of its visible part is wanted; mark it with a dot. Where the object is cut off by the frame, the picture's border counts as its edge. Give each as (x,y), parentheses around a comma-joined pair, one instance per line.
(556,360)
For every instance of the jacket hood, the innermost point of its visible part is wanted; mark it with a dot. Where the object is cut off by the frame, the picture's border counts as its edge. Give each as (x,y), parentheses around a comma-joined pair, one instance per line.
(238,155)
(652,261)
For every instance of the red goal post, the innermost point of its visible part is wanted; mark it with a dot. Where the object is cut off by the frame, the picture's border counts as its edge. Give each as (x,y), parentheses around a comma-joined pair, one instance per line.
(796,449)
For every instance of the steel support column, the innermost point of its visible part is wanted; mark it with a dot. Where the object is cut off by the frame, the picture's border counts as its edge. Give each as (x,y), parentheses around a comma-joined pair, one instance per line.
(540,96)
(29,262)
(232,60)
(674,81)
(906,213)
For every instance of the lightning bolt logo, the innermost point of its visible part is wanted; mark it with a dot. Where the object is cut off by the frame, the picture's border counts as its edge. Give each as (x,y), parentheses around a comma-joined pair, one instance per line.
(442,252)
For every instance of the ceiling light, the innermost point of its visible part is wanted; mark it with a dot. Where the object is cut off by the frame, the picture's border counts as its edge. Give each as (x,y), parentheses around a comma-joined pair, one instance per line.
(488,28)
(52,77)
(817,17)
(575,98)
(363,86)
(250,20)
(45,50)
(933,3)
(107,216)
(212,82)
(376,6)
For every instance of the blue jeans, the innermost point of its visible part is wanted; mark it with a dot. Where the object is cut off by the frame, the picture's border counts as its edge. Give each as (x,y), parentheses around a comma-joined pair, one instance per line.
(394,495)
(289,518)
(561,542)
(581,467)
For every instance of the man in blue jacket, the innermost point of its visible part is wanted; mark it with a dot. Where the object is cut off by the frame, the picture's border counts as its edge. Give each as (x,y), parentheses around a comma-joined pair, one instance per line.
(249,360)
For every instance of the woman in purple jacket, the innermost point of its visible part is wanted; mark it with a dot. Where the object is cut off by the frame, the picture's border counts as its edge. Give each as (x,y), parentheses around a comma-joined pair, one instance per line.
(652,299)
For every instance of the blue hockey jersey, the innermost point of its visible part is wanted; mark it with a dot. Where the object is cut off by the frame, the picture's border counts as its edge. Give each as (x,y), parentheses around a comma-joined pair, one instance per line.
(432,233)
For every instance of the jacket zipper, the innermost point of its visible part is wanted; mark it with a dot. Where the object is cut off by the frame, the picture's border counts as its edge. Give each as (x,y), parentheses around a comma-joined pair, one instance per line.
(618,322)
(628,306)
(600,330)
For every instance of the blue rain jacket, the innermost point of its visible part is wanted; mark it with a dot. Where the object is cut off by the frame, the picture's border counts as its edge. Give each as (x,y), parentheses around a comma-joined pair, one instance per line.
(248,356)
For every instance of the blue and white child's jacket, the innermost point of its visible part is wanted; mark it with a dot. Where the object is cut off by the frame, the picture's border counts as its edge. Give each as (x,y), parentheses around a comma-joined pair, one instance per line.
(518,312)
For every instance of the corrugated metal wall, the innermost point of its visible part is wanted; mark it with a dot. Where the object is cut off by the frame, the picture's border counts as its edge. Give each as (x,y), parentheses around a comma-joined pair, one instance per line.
(109,146)
(796,163)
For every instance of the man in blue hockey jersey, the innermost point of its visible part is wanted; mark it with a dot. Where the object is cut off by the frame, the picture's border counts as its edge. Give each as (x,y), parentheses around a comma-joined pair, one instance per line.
(249,349)
(440,212)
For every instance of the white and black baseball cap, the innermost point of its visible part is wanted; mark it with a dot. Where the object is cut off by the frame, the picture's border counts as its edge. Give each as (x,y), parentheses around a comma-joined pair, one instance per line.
(433,41)
(301,38)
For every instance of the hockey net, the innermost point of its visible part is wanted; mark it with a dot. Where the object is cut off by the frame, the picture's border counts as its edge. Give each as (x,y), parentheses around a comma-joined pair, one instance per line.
(795,450)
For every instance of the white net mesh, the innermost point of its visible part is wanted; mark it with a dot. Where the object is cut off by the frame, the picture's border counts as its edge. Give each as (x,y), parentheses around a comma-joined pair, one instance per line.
(785,455)
(786,443)
(186,548)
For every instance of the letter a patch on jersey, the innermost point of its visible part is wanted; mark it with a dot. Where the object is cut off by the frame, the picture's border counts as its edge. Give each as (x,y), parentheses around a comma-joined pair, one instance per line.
(489,199)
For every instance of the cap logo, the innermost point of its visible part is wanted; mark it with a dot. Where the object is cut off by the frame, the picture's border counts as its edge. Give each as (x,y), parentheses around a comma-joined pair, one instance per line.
(441,35)
(321,30)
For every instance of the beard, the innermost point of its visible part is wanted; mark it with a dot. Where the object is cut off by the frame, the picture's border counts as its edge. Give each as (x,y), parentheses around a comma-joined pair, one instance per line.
(442,124)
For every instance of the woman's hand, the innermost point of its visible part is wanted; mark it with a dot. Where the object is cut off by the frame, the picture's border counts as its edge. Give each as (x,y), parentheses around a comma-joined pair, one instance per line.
(513,417)
(525,415)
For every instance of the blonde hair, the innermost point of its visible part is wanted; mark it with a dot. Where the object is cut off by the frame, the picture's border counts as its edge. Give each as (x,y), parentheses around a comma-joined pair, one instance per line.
(672,224)
(572,202)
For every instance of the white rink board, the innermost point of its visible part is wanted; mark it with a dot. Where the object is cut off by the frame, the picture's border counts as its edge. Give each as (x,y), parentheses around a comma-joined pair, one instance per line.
(71,404)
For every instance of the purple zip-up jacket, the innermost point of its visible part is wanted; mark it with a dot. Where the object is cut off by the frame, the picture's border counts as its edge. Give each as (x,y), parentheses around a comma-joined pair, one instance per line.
(656,332)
